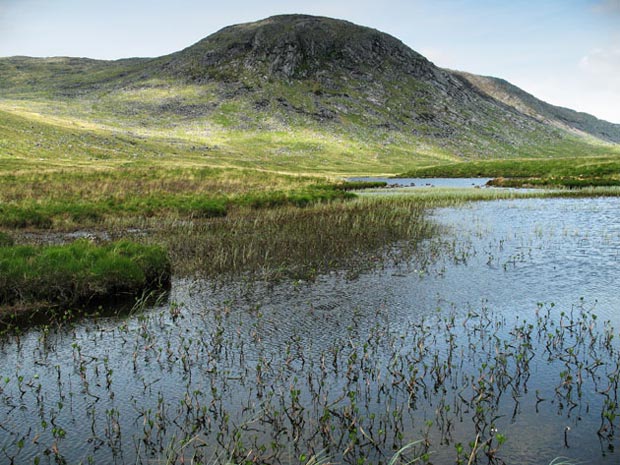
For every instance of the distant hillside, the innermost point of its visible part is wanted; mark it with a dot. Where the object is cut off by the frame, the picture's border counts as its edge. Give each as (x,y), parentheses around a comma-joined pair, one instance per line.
(306,90)
(564,118)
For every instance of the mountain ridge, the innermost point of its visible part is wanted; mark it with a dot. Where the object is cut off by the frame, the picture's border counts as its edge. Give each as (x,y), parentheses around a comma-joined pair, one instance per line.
(527,103)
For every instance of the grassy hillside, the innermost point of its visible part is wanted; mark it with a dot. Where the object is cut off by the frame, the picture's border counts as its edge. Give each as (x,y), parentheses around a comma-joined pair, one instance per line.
(293,94)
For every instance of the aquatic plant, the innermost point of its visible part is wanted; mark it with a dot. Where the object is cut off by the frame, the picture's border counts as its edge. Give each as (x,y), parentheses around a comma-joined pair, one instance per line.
(207,386)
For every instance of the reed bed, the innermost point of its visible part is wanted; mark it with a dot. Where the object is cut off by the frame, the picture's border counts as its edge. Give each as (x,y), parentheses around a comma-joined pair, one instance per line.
(299,243)
(433,197)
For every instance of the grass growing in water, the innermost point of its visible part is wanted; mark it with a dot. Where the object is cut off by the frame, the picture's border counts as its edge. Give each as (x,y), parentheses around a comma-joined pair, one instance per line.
(211,387)
(298,242)
(78,273)
(433,197)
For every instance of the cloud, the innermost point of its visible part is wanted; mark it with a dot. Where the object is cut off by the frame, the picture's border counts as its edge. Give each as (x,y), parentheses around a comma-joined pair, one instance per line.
(599,71)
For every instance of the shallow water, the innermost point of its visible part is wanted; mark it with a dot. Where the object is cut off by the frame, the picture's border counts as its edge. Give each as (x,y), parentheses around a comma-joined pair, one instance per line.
(496,339)
(428,182)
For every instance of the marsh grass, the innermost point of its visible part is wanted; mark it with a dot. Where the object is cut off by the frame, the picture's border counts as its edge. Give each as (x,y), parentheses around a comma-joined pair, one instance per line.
(299,243)
(98,182)
(567,182)
(68,213)
(78,273)
(433,197)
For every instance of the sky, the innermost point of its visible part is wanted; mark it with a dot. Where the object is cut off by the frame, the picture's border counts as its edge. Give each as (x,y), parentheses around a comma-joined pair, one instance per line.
(566,52)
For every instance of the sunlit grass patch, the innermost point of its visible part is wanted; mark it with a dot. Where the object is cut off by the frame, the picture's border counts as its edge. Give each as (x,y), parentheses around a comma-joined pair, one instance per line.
(79,273)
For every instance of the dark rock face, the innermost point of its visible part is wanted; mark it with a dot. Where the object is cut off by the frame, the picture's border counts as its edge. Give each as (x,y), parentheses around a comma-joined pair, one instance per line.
(301,47)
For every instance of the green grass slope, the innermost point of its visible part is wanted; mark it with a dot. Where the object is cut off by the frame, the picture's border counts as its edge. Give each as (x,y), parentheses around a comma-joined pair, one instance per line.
(290,94)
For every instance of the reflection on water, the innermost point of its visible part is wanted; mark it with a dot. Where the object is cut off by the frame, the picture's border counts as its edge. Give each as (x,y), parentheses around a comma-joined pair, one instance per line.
(505,341)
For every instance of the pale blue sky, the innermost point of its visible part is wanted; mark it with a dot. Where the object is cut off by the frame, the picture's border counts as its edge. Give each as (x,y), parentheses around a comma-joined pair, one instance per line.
(566,52)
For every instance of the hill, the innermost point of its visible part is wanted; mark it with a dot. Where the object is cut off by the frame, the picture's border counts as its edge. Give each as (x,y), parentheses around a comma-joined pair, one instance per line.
(305,93)
(527,104)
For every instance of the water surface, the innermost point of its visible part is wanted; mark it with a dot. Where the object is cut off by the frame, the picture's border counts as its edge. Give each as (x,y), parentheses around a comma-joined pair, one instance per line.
(509,334)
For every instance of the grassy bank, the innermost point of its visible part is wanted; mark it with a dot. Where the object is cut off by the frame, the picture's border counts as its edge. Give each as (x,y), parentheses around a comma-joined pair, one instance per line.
(567,182)
(434,197)
(539,172)
(93,200)
(80,273)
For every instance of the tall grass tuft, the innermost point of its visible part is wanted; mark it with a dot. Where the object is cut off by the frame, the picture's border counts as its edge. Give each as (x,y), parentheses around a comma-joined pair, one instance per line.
(6,240)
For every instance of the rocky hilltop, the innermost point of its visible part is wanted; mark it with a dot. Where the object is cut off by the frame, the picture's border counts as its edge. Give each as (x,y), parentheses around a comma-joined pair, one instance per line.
(295,47)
